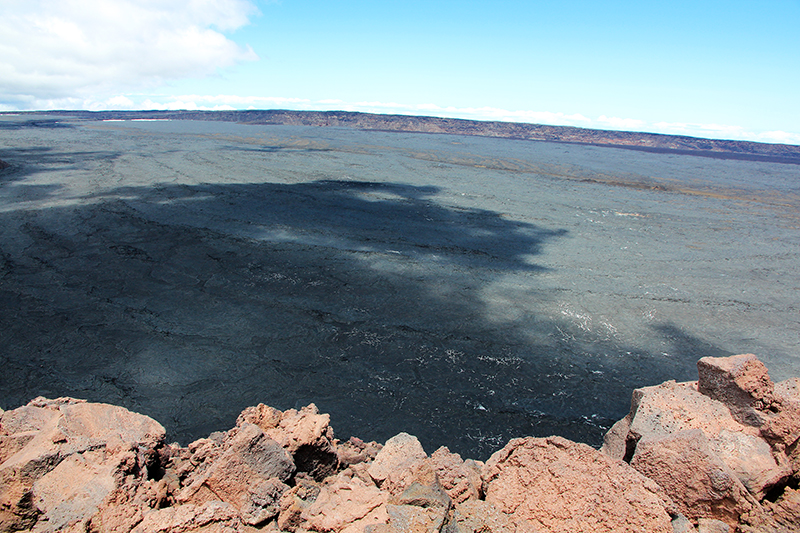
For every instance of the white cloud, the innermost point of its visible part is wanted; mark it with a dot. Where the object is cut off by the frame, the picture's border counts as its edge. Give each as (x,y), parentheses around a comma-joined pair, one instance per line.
(244,100)
(705,130)
(723,131)
(617,123)
(779,137)
(54,52)
(189,102)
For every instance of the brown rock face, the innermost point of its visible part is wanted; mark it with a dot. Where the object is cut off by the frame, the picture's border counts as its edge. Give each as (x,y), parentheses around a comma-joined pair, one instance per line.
(62,458)
(249,475)
(71,466)
(782,427)
(558,485)
(214,516)
(671,408)
(73,491)
(700,484)
(294,502)
(718,446)
(394,465)
(786,510)
(460,479)
(711,525)
(741,382)
(480,515)
(305,434)
(354,500)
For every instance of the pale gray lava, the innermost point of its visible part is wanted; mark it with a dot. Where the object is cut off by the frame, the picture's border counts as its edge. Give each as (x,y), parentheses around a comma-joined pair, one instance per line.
(466,290)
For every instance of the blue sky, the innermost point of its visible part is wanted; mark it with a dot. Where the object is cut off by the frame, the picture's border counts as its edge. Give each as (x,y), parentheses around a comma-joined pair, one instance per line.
(704,68)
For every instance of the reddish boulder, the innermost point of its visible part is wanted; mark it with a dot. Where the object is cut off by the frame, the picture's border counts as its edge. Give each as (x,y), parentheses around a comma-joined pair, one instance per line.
(72,492)
(558,485)
(263,416)
(63,457)
(341,503)
(670,408)
(782,424)
(683,434)
(86,424)
(741,382)
(393,467)
(248,474)
(700,484)
(306,435)
(460,479)
(211,517)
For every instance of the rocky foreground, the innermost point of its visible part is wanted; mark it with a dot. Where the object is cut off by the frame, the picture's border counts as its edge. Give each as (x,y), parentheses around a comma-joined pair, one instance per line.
(718,454)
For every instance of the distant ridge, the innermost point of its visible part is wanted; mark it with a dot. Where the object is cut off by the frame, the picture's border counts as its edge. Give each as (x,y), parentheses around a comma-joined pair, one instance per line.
(651,142)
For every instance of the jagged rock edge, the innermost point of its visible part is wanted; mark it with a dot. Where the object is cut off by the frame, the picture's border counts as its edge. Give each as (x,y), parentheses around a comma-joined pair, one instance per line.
(69,465)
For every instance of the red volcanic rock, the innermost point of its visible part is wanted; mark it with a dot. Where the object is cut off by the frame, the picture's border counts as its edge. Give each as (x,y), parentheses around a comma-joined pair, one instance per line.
(305,434)
(62,458)
(393,467)
(741,382)
(67,465)
(249,475)
(346,504)
(786,510)
(671,408)
(213,516)
(782,425)
(558,485)
(480,515)
(295,501)
(695,438)
(355,451)
(700,484)
(712,525)
(460,479)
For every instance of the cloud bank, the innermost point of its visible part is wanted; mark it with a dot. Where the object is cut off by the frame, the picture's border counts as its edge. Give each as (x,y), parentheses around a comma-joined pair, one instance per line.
(63,51)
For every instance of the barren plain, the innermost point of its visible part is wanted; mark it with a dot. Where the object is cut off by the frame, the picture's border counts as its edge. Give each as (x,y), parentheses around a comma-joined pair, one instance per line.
(465,289)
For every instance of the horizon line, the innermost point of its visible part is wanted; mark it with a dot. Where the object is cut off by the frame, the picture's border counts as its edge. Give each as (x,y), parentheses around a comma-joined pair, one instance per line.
(437,118)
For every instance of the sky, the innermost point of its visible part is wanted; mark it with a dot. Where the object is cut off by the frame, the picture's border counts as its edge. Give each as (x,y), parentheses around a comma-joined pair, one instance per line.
(718,69)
